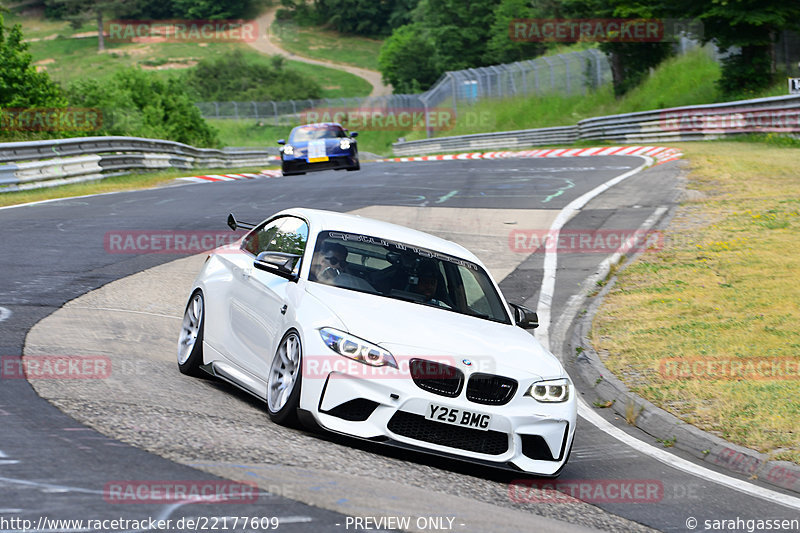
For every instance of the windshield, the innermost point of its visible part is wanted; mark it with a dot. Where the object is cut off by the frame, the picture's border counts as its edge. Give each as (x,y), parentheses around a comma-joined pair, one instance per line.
(312,133)
(404,272)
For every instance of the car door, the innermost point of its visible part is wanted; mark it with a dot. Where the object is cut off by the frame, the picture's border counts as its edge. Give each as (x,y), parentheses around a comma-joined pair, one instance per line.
(261,298)
(242,326)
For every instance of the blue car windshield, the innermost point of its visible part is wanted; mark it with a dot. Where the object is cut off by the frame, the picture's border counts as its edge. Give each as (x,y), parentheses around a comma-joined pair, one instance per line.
(312,133)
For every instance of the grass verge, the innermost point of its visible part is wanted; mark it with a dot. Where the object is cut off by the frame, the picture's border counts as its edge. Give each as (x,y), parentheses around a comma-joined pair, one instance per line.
(327,45)
(723,291)
(135,181)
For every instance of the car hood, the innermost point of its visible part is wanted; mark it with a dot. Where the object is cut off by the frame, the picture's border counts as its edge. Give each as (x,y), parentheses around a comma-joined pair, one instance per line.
(414,330)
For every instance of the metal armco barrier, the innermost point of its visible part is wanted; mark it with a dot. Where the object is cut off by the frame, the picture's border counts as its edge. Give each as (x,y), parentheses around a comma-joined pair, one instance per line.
(779,114)
(487,141)
(26,165)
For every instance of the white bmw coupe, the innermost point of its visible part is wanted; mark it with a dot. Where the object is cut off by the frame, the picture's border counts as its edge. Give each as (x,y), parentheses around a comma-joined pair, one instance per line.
(380,332)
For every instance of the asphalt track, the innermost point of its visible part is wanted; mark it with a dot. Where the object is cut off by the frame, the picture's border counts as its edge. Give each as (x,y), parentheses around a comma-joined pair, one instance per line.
(54,252)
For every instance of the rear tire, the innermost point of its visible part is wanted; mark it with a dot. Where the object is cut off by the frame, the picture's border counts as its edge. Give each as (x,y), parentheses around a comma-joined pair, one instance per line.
(190,341)
(285,380)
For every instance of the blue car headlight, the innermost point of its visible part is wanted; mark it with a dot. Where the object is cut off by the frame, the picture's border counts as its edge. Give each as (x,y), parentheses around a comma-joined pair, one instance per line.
(344,144)
(288,149)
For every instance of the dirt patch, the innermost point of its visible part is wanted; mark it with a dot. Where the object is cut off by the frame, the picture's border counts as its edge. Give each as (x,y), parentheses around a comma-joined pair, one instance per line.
(134,50)
(45,61)
(170,65)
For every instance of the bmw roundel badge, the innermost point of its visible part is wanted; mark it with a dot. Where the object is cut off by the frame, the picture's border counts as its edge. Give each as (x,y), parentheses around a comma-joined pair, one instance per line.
(467,362)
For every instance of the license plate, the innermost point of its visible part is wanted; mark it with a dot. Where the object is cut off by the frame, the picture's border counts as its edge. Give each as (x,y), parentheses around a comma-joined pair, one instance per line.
(458,417)
(317,152)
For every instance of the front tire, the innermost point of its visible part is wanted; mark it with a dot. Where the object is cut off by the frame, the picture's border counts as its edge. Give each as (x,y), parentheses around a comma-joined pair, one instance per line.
(190,341)
(285,380)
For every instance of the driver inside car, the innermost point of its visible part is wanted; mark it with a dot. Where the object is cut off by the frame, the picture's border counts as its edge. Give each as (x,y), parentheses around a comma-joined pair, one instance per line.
(329,262)
(428,284)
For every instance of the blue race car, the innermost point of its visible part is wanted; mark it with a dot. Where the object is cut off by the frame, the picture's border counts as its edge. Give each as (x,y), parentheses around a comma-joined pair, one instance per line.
(319,147)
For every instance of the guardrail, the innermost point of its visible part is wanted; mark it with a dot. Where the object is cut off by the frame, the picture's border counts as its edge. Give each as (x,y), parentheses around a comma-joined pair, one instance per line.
(778,114)
(26,165)
(488,141)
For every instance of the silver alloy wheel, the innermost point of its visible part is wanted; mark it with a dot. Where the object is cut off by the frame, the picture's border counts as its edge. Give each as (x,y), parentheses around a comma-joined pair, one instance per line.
(192,320)
(284,372)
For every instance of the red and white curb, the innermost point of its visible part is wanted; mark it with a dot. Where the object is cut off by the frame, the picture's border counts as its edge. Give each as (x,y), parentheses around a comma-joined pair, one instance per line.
(661,154)
(233,177)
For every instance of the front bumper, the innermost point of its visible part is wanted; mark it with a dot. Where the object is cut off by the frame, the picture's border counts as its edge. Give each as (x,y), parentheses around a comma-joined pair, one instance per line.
(523,434)
(301,164)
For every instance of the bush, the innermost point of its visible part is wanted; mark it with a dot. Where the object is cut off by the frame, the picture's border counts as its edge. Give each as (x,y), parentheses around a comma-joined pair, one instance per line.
(138,104)
(232,77)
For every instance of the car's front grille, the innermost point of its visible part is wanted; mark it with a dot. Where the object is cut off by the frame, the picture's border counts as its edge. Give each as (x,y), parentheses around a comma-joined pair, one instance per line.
(436,377)
(357,410)
(490,389)
(418,427)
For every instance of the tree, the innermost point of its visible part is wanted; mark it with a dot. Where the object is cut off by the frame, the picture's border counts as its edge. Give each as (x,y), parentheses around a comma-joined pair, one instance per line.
(752,26)
(630,61)
(500,47)
(408,60)
(20,85)
(458,30)
(361,17)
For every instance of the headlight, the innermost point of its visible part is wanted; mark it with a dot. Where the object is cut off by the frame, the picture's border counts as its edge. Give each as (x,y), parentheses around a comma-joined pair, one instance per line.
(288,149)
(355,348)
(344,144)
(551,391)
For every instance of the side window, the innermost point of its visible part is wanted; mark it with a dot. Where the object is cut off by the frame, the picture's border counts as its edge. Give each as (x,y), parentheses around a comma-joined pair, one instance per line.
(259,239)
(291,238)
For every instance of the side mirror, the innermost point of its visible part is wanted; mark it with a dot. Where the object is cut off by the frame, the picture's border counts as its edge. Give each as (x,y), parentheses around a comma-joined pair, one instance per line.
(354,134)
(279,263)
(524,317)
(281,141)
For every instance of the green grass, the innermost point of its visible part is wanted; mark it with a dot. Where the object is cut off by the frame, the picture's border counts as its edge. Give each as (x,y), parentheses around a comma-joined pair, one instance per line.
(75,59)
(335,83)
(37,27)
(722,290)
(67,59)
(327,45)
